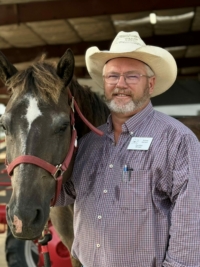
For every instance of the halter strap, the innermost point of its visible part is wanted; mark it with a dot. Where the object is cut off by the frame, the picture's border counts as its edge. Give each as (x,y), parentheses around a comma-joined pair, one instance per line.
(56,171)
(92,127)
(31,159)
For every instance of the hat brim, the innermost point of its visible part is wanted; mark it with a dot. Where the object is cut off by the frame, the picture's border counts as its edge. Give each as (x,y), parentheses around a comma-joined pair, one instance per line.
(160,61)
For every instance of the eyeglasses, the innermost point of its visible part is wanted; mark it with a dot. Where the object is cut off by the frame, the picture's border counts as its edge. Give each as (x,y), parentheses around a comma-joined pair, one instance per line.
(130,78)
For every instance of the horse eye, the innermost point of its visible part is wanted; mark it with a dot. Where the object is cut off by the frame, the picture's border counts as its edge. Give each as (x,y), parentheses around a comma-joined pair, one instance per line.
(2,125)
(63,128)
(3,129)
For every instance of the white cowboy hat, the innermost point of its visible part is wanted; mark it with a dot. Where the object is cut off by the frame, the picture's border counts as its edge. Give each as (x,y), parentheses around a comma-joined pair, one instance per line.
(129,44)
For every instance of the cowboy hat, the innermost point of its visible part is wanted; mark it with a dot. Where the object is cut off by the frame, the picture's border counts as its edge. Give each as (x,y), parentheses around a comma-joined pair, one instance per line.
(130,45)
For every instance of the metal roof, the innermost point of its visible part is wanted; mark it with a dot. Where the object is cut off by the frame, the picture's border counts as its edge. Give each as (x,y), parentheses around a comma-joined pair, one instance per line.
(29,28)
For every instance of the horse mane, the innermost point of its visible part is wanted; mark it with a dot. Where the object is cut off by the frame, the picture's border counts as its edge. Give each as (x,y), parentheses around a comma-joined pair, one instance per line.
(42,80)
(91,105)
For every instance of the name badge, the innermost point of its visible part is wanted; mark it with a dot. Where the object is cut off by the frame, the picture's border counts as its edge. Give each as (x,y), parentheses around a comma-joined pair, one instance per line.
(140,143)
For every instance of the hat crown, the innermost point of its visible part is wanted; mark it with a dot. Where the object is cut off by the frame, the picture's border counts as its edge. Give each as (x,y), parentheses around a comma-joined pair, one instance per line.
(130,45)
(126,42)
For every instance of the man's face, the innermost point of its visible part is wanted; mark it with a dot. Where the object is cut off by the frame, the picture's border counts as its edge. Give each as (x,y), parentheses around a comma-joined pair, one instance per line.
(132,94)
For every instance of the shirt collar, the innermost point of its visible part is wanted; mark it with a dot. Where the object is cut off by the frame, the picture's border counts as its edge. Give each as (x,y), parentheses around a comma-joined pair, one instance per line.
(134,122)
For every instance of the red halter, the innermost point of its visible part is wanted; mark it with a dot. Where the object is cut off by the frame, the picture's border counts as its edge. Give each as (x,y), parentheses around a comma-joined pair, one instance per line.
(56,171)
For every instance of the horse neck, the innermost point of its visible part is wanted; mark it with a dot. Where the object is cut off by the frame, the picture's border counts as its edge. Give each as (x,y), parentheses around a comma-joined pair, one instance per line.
(91,106)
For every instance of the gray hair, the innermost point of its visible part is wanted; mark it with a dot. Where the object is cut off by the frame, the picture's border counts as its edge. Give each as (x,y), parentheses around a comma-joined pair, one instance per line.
(149,71)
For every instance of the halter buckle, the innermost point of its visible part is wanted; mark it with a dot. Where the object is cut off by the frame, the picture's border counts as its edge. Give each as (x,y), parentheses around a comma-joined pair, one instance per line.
(59,172)
(72,104)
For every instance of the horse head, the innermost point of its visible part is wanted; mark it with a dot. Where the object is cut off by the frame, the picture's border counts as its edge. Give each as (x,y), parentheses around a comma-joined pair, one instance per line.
(36,123)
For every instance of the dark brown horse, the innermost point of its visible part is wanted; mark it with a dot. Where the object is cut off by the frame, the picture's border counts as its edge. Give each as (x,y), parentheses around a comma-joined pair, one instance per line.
(37,122)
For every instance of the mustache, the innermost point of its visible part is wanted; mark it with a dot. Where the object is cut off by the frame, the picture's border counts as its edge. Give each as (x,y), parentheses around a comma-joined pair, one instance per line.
(122,91)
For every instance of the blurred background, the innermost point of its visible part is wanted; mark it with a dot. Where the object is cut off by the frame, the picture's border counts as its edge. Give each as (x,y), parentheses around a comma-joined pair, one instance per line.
(30,28)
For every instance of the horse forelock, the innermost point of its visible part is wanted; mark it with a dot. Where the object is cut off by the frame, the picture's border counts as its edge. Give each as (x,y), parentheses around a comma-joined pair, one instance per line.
(40,79)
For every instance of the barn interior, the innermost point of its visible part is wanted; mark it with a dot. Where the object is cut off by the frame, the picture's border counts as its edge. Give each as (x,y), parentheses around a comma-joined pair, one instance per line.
(29,28)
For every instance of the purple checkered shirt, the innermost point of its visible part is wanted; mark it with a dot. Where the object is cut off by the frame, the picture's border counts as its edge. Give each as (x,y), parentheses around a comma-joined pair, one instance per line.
(153,218)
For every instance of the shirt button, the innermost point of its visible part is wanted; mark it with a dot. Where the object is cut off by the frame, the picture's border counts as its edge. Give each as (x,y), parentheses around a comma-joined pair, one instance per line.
(105,191)
(131,133)
(110,166)
(99,217)
(98,245)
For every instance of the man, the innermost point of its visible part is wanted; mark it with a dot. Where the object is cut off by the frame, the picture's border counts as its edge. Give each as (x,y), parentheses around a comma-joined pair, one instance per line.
(136,189)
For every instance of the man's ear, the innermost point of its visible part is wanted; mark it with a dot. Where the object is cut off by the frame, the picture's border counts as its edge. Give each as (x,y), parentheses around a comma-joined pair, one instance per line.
(152,81)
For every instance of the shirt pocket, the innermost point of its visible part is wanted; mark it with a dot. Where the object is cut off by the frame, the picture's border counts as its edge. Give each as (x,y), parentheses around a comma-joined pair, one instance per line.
(136,192)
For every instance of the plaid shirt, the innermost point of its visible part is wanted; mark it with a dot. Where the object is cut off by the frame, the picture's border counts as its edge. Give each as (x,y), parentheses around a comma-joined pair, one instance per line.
(153,218)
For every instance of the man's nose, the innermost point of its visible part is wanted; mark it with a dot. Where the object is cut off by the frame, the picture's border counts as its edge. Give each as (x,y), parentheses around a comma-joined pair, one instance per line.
(122,82)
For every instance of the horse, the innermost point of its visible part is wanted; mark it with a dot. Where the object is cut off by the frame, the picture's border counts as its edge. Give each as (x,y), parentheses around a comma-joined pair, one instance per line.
(39,124)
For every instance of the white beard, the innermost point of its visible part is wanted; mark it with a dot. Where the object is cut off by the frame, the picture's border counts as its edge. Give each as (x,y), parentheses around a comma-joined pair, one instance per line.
(115,107)
(130,106)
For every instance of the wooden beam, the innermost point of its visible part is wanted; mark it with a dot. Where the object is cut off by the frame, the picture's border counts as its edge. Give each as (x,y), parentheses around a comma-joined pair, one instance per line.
(18,55)
(3,101)
(64,9)
(3,90)
(188,62)
(181,39)
(4,96)
(1,83)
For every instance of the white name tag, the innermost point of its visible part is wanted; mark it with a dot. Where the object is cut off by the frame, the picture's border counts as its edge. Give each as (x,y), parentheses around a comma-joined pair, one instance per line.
(140,143)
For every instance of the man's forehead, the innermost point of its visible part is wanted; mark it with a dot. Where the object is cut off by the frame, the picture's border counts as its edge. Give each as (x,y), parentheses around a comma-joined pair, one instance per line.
(123,61)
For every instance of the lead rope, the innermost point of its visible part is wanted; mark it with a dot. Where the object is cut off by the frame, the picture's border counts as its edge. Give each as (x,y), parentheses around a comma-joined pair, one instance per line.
(47,236)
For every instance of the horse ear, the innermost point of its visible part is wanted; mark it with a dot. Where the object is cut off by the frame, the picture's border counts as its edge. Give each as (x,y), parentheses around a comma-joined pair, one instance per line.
(7,70)
(65,68)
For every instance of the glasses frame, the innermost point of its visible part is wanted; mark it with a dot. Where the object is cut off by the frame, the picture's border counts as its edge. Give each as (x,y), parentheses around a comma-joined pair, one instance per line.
(140,75)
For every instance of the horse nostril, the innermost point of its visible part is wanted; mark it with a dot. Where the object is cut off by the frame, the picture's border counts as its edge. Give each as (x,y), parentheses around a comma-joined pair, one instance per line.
(25,216)
(38,216)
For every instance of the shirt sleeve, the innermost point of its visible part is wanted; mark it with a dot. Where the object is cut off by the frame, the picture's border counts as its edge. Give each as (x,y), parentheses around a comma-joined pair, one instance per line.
(67,195)
(184,240)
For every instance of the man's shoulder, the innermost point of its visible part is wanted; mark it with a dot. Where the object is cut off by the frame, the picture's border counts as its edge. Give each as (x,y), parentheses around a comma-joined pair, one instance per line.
(168,120)
(171,124)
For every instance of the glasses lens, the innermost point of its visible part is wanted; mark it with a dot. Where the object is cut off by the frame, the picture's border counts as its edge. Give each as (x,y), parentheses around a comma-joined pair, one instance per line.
(132,78)
(112,78)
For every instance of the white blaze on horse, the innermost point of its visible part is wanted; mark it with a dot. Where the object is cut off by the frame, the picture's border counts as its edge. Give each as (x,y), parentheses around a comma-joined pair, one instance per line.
(38,123)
